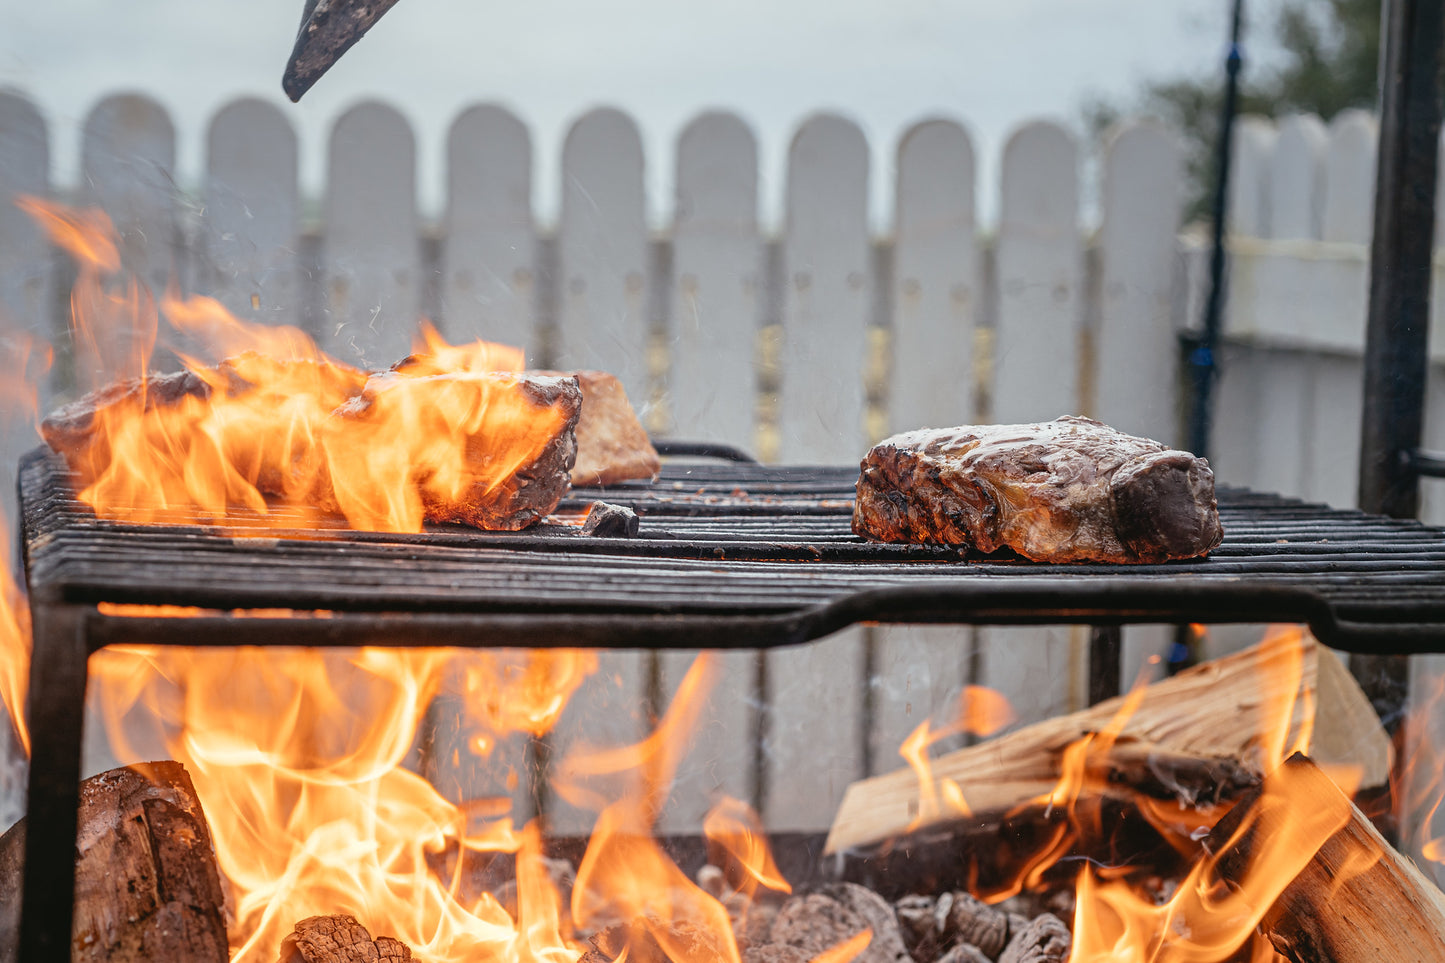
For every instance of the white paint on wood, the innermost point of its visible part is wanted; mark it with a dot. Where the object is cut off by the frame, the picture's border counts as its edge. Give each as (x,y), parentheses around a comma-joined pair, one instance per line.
(251,213)
(919,673)
(1032,666)
(610,710)
(719,760)
(813,730)
(827,297)
(127,158)
(826,312)
(1136,384)
(1254,140)
(489,273)
(25,261)
(1337,398)
(936,294)
(717,283)
(1235,434)
(1040,278)
(1297,178)
(1285,424)
(1036,367)
(602,252)
(936,280)
(1349,191)
(26,273)
(714,305)
(371,252)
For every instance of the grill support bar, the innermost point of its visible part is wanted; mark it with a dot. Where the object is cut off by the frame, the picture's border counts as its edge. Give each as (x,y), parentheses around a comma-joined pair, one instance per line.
(1398,324)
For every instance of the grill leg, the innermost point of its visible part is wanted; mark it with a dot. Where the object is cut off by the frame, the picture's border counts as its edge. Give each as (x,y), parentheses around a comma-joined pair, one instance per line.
(56,715)
(1105,664)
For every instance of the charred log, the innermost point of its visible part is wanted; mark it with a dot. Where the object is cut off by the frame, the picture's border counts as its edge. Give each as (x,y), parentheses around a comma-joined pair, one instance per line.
(338,939)
(1357,899)
(1172,747)
(146,882)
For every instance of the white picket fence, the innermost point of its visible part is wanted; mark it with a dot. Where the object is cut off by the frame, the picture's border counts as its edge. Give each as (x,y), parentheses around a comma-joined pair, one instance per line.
(806,345)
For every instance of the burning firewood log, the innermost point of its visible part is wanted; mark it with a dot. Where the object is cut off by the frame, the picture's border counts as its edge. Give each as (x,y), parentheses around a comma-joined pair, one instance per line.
(1357,899)
(1171,747)
(488,449)
(339,939)
(146,883)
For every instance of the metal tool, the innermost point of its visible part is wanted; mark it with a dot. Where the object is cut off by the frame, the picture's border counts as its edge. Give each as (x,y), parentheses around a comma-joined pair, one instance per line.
(328,30)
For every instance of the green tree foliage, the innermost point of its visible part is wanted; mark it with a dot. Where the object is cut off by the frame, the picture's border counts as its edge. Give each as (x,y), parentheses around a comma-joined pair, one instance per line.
(1328,61)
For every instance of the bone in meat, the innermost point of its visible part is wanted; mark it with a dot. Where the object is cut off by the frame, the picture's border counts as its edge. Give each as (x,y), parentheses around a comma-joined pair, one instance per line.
(1069,490)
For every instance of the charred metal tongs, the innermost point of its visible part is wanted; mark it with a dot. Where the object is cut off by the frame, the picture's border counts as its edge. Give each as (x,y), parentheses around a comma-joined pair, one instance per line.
(328,29)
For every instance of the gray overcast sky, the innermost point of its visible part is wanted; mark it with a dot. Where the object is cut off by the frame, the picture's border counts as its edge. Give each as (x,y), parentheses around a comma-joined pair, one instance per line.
(989,63)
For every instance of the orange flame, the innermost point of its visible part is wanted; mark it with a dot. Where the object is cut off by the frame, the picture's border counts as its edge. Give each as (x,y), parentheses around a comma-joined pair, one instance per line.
(735,827)
(981,712)
(267,413)
(297,756)
(1207,920)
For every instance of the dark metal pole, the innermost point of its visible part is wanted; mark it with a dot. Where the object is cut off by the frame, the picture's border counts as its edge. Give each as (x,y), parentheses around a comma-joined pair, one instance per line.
(1202,366)
(1398,324)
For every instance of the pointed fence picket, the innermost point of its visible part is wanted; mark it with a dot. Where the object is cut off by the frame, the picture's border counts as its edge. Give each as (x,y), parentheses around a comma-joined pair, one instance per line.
(251,216)
(371,252)
(1133,387)
(717,265)
(488,263)
(127,159)
(602,266)
(602,252)
(917,673)
(714,298)
(1031,322)
(826,313)
(1036,373)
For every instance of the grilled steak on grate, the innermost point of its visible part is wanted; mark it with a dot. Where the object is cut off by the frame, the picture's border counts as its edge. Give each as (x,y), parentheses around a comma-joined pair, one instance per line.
(1069,490)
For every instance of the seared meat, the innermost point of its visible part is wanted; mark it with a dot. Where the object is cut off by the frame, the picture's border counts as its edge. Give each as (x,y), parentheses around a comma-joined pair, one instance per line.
(1069,490)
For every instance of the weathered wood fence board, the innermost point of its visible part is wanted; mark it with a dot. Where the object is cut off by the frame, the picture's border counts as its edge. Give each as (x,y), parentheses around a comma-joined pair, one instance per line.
(251,216)
(1037,311)
(489,280)
(602,251)
(827,307)
(372,258)
(917,673)
(1036,371)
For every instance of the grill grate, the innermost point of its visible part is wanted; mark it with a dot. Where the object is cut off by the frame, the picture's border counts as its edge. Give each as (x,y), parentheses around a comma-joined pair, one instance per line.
(728,556)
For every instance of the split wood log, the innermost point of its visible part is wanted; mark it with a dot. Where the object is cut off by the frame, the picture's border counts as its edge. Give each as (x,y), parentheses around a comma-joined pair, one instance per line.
(1356,900)
(146,883)
(339,939)
(1193,738)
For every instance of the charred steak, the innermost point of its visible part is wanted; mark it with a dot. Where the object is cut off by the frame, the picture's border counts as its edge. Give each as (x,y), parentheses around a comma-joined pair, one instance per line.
(1069,490)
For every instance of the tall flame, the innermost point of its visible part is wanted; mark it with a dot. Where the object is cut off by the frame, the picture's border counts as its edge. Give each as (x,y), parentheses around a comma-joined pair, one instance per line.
(266,412)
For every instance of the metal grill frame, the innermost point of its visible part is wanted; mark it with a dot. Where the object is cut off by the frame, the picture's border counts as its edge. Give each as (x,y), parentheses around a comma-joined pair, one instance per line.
(700,523)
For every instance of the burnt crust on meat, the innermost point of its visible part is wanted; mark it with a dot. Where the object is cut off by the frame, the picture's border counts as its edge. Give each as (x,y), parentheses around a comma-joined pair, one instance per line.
(1069,490)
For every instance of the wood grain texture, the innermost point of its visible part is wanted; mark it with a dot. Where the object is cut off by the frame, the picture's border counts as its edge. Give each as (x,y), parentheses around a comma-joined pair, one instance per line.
(602,252)
(715,298)
(251,218)
(146,883)
(1178,717)
(489,270)
(371,253)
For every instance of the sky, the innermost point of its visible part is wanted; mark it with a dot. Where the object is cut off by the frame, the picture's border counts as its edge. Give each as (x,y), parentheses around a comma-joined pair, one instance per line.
(993,64)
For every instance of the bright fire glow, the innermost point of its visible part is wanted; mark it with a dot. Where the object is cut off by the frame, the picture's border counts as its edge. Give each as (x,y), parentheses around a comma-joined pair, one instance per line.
(981,712)
(268,414)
